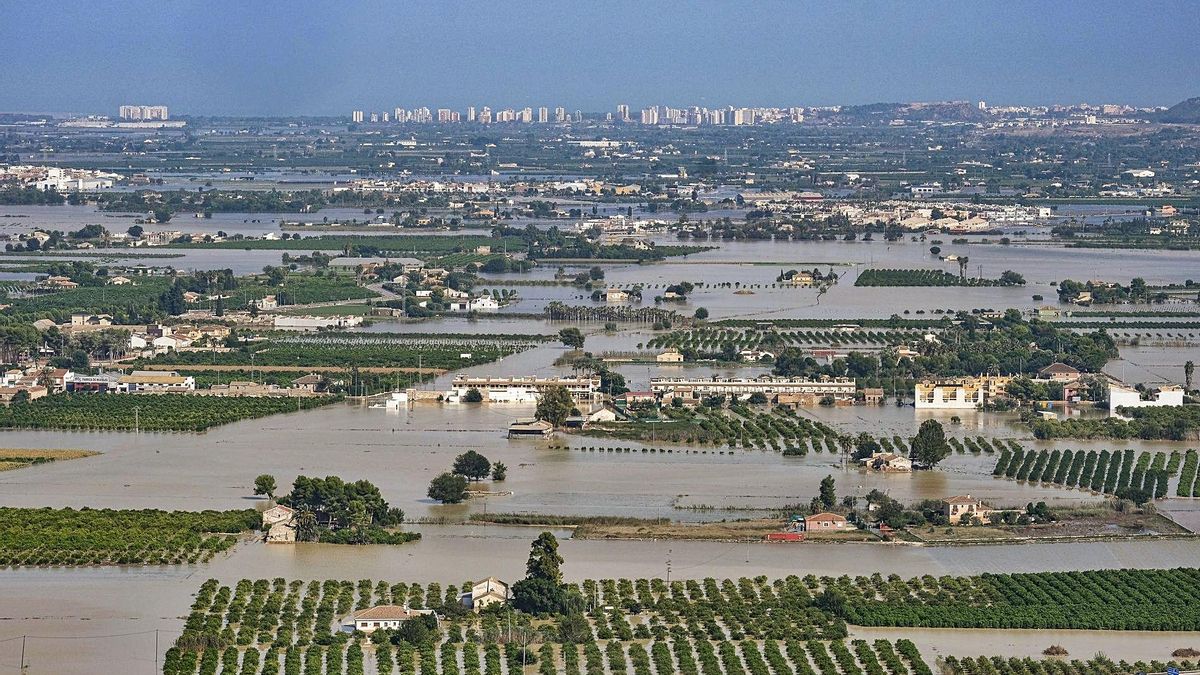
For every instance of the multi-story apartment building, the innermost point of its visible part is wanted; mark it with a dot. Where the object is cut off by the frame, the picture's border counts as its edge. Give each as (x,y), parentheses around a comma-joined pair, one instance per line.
(964,393)
(785,389)
(523,389)
(142,113)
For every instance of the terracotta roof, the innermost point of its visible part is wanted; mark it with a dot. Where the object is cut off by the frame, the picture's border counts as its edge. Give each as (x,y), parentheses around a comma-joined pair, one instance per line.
(825,516)
(961,499)
(386,613)
(1059,368)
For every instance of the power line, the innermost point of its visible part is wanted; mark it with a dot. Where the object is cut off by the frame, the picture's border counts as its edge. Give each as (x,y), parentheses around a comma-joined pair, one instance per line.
(87,637)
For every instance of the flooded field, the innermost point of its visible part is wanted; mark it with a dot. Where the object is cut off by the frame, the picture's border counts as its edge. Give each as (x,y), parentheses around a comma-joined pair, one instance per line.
(1081,644)
(402,451)
(83,617)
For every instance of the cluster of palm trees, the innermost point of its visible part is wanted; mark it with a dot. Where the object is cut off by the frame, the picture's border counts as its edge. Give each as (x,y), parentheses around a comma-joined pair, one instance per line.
(359,522)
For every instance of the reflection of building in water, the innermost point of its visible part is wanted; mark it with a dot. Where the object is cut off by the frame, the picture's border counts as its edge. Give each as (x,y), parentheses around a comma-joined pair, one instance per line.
(965,393)
(793,390)
(523,389)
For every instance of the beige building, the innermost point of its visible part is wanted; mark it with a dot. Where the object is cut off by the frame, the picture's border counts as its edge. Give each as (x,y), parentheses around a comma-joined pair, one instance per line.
(490,591)
(788,389)
(964,506)
(966,393)
(382,616)
(669,356)
(887,462)
(91,319)
(280,523)
(36,391)
(155,382)
(615,295)
(523,389)
(826,522)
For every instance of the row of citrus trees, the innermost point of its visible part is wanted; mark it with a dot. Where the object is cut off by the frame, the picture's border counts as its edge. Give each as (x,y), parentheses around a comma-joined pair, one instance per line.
(1097,665)
(157,412)
(918,277)
(1108,472)
(1095,600)
(780,430)
(712,339)
(1189,486)
(980,444)
(615,657)
(72,537)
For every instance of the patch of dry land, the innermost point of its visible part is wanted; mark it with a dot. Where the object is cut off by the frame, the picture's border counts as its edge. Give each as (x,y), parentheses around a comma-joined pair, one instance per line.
(19,458)
(732,530)
(1096,523)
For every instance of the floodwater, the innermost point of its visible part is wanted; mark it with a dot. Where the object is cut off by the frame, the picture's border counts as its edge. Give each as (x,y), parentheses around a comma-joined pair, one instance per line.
(79,618)
(66,610)
(401,452)
(1153,364)
(1129,646)
(756,264)
(67,217)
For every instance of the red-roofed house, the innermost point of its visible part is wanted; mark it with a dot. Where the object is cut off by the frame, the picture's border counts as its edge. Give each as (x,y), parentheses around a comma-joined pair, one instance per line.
(1059,372)
(826,522)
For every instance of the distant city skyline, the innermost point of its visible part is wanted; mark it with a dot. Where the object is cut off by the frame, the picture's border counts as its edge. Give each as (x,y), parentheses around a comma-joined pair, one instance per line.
(227,58)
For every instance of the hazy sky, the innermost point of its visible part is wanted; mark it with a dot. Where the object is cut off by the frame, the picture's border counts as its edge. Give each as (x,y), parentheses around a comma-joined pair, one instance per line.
(327,57)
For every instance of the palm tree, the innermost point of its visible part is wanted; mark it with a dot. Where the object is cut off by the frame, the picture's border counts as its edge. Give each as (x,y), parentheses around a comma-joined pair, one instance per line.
(1189,369)
(306,524)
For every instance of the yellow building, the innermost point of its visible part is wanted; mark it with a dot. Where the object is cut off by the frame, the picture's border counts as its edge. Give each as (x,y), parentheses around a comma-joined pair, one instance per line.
(965,393)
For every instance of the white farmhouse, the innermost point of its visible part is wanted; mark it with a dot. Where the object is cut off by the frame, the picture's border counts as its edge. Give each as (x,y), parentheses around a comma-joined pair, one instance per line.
(1126,397)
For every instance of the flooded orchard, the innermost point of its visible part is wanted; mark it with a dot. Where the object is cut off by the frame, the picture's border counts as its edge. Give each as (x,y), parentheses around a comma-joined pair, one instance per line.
(77,618)
(82,617)
(401,451)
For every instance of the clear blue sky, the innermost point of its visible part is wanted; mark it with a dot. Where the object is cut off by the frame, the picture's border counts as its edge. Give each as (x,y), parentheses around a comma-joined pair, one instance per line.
(309,57)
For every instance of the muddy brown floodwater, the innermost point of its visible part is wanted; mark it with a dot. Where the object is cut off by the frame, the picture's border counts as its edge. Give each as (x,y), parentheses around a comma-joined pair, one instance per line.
(104,620)
(401,452)
(80,618)
(1080,644)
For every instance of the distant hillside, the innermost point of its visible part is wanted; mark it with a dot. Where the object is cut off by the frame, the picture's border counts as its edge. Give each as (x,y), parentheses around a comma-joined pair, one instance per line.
(1184,112)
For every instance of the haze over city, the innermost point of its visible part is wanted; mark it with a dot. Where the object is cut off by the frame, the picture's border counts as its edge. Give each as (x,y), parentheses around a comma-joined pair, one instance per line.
(306,58)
